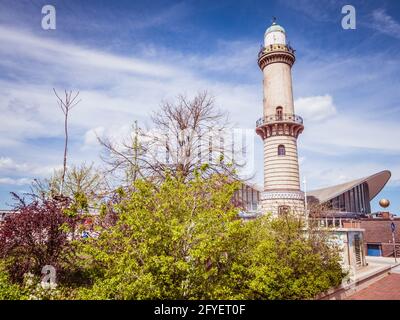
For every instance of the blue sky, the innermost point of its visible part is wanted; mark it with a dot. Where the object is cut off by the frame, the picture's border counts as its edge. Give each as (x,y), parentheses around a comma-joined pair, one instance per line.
(127,56)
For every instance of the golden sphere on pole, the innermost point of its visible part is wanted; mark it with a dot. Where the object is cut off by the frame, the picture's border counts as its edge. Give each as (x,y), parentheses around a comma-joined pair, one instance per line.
(384,203)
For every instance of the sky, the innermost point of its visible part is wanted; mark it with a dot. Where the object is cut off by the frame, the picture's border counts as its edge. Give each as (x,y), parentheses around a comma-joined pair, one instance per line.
(126,57)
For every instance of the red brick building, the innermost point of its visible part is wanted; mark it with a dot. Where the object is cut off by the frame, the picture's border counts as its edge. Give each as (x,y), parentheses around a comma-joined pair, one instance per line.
(378,238)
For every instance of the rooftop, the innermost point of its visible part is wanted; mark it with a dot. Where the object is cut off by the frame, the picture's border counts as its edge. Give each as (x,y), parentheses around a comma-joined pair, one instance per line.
(275,28)
(375,182)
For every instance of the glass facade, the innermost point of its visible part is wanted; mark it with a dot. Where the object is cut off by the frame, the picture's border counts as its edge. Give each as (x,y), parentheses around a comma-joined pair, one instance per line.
(247,198)
(355,200)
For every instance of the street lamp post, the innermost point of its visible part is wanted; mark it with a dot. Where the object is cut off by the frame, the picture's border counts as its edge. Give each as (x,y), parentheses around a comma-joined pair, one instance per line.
(393,227)
(305,201)
(384,203)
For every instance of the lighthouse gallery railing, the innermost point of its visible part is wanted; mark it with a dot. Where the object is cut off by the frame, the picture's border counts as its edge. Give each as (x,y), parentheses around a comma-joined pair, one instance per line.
(286,117)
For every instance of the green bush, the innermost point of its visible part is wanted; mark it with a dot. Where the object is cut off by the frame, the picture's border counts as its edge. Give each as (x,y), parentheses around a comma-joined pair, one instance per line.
(185,241)
(8,290)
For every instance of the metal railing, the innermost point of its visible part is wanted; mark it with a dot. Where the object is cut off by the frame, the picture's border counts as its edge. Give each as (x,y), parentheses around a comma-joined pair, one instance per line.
(273,47)
(336,223)
(285,117)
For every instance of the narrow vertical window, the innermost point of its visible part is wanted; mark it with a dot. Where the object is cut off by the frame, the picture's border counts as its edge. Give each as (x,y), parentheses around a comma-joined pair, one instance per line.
(283,210)
(279,113)
(281,150)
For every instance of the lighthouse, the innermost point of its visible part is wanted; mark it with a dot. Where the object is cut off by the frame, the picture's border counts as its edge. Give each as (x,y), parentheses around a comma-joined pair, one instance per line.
(279,127)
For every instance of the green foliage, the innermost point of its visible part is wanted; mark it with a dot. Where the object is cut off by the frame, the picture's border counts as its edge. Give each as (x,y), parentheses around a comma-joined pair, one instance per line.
(30,289)
(184,241)
(79,205)
(84,184)
(288,262)
(8,290)
(33,290)
(176,241)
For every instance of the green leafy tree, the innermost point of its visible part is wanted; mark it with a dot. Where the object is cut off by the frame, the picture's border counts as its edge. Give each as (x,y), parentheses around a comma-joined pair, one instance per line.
(83,184)
(178,240)
(8,290)
(183,240)
(289,262)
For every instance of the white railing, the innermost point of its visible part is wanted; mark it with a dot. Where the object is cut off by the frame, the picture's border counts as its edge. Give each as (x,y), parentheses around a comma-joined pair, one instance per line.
(336,223)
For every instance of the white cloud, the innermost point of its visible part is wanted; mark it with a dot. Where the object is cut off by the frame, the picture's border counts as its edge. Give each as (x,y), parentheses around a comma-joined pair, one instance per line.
(384,23)
(315,108)
(352,131)
(15,182)
(91,137)
(118,90)
(52,51)
(9,164)
(5,162)
(231,56)
(115,91)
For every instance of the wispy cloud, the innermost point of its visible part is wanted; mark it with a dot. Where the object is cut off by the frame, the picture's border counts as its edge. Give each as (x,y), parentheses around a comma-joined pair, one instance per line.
(315,108)
(15,182)
(384,23)
(340,98)
(52,51)
(9,164)
(318,10)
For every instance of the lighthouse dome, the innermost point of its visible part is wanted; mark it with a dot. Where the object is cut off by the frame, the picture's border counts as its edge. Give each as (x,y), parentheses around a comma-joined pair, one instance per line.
(275,34)
(275,28)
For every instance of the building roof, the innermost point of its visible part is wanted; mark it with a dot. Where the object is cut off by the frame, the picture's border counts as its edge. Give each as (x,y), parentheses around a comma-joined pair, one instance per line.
(375,182)
(275,27)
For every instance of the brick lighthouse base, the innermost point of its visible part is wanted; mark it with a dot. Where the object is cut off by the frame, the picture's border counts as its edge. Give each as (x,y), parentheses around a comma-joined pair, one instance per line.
(276,202)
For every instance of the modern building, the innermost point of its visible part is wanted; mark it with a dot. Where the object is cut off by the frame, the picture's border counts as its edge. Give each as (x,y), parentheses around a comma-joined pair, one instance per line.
(351,198)
(350,202)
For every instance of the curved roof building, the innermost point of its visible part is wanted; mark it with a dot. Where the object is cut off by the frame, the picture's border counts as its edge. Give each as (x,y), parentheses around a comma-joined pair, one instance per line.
(353,196)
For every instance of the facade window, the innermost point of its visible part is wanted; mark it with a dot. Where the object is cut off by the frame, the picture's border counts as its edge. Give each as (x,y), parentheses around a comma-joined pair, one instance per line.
(355,200)
(281,150)
(247,198)
(358,249)
(282,210)
(374,249)
(342,205)
(279,113)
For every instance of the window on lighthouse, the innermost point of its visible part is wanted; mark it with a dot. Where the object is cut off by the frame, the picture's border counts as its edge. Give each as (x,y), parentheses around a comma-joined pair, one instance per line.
(283,210)
(281,150)
(279,113)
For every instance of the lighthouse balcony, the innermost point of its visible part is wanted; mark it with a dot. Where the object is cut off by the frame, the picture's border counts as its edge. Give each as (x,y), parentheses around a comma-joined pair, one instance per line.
(279,118)
(275,47)
(275,53)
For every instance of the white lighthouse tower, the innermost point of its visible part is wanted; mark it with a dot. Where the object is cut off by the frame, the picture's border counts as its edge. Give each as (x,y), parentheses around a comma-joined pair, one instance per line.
(280,126)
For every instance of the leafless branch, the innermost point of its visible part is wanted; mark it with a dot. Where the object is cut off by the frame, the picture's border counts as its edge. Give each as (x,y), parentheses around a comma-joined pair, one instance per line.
(66,104)
(187,134)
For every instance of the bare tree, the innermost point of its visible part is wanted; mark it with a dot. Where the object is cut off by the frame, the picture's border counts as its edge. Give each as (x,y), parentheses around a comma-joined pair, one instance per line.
(187,134)
(66,104)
